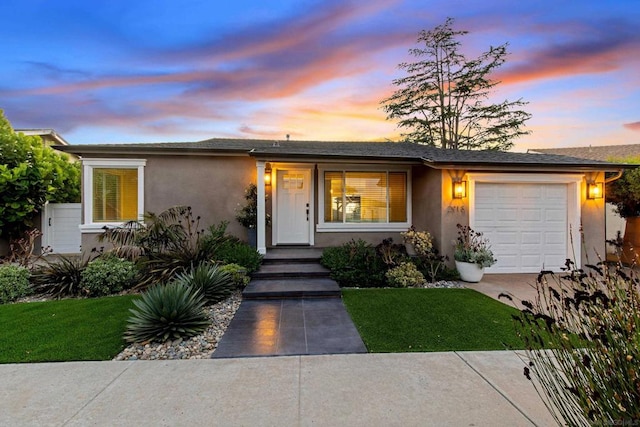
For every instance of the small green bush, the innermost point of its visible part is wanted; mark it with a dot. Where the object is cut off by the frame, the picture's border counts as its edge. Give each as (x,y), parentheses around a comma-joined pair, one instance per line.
(213,283)
(167,312)
(238,274)
(108,275)
(405,275)
(60,278)
(355,264)
(14,283)
(234,251)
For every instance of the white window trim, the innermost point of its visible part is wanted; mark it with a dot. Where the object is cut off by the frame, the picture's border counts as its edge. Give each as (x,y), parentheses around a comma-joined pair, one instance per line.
(88,226)
(329,227)
(573,182)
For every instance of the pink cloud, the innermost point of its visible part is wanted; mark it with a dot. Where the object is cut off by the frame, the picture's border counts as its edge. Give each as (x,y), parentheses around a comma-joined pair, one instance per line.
(608,51)
(635,126)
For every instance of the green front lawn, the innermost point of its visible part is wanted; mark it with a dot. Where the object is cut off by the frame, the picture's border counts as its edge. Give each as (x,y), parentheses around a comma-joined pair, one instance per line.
(402,320)
(72,329)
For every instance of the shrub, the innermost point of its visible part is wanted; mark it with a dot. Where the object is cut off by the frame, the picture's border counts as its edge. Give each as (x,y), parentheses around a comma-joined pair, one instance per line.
(61,277)
(212,282)
(167,312)
(238,274)
(234,251)
(591,325)
(108,275)
(391,254)
(166,244)
(14,283)
(354,264)
(216,237)
(421,241)
(404,275)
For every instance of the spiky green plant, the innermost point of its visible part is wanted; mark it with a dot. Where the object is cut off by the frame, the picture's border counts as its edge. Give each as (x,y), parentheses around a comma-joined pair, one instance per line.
(167,312)
(61,277)
(212,282)
(165,245)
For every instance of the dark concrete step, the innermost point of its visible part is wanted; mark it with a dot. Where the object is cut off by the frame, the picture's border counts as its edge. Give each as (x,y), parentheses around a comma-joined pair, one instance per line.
(292,255)
(291,270)
(292,288)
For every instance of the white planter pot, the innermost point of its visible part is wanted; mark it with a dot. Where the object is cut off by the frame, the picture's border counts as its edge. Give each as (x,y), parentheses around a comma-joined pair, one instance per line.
(469,272)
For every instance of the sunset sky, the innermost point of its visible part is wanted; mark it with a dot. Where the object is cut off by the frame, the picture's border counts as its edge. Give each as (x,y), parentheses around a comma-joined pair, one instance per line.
(163,70)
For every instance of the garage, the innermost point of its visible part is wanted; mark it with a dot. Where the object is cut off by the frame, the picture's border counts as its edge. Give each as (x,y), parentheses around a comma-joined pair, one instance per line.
(527,223)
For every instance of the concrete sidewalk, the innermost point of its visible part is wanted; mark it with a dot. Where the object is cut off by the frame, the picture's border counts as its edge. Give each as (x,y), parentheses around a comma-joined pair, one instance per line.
(407,389)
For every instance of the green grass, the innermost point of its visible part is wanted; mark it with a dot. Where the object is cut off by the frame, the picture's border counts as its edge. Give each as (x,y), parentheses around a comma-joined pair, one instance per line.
(72,329)
(403,320)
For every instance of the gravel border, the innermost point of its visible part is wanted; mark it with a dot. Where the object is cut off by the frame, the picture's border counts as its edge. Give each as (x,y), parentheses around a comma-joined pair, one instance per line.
(198,347)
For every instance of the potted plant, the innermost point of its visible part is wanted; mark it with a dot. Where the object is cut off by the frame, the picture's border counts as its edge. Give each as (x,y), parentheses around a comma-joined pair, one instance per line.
(418,243)
(247,216)
(472,254)
(624,194)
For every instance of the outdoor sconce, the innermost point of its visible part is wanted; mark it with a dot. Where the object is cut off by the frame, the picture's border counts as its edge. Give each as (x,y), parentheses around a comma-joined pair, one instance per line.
(459,189)
(267,175)
(594,190)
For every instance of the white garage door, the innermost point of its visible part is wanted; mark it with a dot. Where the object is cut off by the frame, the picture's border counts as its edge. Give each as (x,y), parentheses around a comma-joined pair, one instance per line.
(525,223)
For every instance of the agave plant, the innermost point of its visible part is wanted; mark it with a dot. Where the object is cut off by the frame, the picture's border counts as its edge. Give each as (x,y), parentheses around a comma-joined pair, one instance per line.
(167,312)
(212,282)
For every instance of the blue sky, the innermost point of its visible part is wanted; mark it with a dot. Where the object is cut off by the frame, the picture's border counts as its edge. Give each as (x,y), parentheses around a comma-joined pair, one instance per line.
(147,71)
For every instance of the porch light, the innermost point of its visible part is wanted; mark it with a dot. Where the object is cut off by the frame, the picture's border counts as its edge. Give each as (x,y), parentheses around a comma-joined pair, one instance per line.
(594,190)
(459,189)
(267,175)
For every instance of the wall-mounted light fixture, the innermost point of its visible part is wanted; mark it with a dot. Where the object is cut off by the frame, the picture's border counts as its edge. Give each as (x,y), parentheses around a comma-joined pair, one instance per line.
(459,189)
(267,175)
(594,190)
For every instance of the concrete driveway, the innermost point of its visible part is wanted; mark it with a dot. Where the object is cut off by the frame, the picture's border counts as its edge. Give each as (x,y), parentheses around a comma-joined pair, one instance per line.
(519,286)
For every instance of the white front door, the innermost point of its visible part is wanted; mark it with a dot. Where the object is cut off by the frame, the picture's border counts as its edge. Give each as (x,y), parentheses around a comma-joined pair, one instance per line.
(293,211)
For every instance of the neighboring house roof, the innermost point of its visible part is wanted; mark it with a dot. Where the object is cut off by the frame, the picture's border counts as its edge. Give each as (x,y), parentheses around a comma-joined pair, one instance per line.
(48,135)
(343,150)
(601,152)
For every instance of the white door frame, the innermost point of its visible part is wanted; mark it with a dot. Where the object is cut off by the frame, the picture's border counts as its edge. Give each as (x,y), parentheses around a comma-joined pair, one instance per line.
(573,182)
(274,204)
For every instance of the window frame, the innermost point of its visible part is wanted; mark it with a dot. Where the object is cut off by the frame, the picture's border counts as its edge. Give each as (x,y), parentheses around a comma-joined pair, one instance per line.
(88,165)
(326,227)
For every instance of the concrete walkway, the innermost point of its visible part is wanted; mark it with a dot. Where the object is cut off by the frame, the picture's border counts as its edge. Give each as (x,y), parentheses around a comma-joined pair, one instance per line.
(407,389)
(286,327)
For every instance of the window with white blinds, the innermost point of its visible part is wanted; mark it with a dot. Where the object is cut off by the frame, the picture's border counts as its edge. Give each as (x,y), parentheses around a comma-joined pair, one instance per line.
(112,192)
(115,194)
(365,197)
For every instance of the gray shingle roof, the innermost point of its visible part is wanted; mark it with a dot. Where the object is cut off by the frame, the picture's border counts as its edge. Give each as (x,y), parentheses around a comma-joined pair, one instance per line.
(271,149)
(601,152)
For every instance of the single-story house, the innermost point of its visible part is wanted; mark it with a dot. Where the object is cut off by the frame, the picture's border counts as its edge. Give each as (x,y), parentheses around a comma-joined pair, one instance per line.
(532,207)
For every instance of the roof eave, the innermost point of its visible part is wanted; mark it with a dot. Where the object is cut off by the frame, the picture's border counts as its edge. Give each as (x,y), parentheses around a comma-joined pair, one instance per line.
(332,157)
(183,151)
(523,167)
